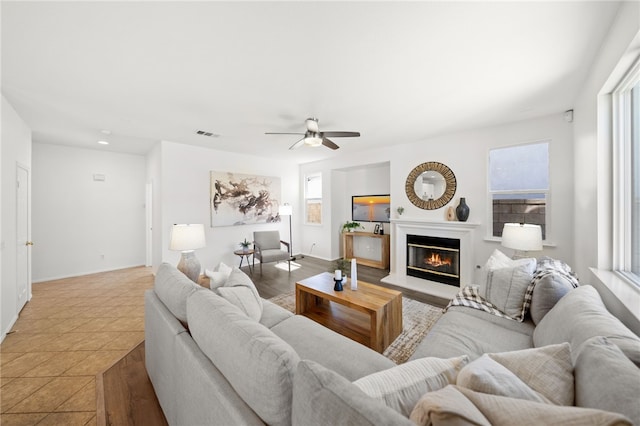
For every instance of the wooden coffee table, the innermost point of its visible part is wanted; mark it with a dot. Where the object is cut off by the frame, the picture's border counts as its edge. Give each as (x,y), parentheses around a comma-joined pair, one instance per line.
(371,315)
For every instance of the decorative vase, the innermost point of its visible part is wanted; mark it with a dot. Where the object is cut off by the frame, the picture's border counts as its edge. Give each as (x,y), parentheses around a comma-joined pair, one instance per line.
(462,211)
(451,213)
(245,249)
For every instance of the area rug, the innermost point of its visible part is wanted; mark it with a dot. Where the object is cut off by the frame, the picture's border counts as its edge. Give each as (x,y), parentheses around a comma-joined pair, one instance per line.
(417,320)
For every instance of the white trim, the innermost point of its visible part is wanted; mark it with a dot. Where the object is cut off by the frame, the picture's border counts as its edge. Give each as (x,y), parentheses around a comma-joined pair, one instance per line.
(80,274)
(622,196)
(627,295)
(547,192)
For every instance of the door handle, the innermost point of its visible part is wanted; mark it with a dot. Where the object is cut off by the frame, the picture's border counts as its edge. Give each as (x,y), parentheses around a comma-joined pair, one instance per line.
(28,243)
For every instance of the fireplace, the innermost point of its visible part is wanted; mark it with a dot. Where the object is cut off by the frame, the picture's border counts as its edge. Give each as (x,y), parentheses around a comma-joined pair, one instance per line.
(434,259)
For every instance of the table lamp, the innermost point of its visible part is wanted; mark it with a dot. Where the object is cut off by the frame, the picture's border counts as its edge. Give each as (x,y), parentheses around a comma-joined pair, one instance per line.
(186,238)
(522,237)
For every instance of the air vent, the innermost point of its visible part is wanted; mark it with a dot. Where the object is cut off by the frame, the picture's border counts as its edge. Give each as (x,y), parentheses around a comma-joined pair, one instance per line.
(208,134)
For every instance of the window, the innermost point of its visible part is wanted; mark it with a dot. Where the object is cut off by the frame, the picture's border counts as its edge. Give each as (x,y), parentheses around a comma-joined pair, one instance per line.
(626,183)
(519,185)
(313,199)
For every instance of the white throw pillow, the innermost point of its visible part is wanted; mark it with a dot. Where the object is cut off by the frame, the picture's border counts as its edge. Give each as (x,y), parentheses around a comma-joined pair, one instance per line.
(219,276)
(402,386)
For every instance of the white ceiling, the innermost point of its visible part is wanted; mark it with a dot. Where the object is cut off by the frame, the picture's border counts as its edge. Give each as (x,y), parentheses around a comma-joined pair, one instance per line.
(396,72)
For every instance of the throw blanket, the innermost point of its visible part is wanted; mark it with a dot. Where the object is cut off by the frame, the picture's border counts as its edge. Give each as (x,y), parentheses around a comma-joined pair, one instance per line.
(470,297)
(458,405)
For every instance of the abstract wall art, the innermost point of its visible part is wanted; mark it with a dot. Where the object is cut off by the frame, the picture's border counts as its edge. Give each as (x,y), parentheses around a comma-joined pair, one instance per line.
(241,199)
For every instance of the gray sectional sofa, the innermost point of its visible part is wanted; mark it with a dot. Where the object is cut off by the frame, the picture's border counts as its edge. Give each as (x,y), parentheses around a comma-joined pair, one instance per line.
(211,364)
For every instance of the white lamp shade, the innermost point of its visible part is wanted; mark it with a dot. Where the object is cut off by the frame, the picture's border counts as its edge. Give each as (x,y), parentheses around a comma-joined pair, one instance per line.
(285,210)
(187,237)
(524,237)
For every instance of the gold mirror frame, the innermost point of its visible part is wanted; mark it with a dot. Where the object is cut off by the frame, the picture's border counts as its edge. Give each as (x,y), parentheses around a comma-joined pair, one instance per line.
(450,187)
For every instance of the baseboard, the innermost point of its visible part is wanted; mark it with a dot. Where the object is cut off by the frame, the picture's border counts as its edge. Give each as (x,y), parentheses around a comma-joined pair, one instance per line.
(6,332)
(80,274)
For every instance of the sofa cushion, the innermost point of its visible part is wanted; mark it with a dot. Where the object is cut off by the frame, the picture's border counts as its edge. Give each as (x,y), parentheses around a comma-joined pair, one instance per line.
(402,386)
(240,291)
(323,397)
(606,379)
(273,314)
(243,298)
(257,363)
(174,288)
(580,315)
(317,343)
(468,331)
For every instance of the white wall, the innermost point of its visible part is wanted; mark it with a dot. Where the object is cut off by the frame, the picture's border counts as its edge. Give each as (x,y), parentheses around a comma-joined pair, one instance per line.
(185,199)
(15,149)
(593,196)
(80,225)
(466,153)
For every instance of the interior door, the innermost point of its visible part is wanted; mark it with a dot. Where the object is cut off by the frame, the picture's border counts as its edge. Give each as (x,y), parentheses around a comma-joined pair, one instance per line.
(22,237)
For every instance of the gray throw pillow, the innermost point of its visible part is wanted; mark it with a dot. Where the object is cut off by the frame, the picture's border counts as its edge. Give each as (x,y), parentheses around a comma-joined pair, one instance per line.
(506,287)
(546,293)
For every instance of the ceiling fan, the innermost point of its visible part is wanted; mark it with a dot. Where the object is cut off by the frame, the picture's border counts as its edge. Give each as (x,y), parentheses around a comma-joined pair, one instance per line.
(314,137)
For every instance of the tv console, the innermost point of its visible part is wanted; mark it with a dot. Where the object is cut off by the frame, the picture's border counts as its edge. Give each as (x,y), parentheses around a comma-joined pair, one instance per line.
(380,244)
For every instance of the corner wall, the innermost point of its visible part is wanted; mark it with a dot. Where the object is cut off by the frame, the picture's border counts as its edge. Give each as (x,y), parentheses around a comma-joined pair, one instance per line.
(82,225)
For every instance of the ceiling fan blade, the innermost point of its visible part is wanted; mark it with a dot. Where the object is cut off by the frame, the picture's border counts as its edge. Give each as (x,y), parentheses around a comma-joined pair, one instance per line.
(329,144)
(280,133)
(297,144)
(341,134)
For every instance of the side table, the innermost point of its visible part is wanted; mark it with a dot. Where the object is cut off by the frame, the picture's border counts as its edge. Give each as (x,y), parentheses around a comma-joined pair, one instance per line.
(244,254)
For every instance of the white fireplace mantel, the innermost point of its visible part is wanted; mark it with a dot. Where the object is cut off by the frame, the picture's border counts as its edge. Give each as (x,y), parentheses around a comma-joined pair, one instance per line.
(400,228)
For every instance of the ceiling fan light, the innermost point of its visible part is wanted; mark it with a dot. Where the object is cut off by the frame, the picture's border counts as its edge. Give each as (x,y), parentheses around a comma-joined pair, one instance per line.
(313,140)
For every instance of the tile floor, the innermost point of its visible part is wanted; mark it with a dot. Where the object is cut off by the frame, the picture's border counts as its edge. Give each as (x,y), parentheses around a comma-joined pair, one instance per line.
(71,330)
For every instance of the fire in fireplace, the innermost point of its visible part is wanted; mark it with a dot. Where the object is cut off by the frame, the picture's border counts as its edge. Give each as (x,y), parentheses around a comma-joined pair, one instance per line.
(434,258)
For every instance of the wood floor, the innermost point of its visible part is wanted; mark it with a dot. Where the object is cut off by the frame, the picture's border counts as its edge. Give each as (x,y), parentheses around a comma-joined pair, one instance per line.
(128,393)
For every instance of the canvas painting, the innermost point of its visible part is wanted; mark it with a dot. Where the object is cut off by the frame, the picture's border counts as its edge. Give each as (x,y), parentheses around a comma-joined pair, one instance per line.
(241,199)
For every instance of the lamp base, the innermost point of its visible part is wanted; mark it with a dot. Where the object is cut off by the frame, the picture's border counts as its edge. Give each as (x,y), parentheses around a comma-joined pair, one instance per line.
(189,265)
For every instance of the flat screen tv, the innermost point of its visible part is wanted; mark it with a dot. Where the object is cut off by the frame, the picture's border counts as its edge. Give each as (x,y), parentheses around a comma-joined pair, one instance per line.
(370,208)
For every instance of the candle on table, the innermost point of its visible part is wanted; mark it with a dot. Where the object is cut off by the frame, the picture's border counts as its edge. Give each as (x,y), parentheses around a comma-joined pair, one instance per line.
(338,275)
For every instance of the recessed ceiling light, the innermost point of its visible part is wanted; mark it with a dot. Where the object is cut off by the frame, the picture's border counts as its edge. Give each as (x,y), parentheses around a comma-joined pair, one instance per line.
(103,140)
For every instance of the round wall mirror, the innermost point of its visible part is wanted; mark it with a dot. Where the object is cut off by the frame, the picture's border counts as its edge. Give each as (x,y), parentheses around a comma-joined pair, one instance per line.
(430,185)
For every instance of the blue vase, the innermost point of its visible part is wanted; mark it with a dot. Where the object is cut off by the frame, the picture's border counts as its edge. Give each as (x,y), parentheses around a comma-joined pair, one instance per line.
(462,211)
